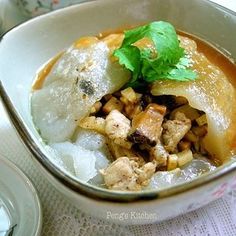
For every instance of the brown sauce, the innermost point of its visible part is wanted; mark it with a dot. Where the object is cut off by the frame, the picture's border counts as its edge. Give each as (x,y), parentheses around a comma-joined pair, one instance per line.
(214,56)
(43,73)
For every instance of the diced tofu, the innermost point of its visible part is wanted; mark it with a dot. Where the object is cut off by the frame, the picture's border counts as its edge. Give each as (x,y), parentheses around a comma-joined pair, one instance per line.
(93,123)
(146,126)
(112,104)
(117,127)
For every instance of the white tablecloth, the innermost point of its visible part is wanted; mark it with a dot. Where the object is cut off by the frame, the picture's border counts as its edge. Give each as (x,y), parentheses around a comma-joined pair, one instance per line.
(60,217)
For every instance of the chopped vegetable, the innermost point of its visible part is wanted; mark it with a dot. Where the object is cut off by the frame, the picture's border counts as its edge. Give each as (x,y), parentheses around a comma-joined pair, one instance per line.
(172,162)
(184,157)
(191,137)
(112,104)
(164,59)
(129,94)
(96,107)
(202,120)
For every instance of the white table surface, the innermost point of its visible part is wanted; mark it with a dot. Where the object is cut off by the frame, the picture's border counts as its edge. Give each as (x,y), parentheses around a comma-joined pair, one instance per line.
(60,217)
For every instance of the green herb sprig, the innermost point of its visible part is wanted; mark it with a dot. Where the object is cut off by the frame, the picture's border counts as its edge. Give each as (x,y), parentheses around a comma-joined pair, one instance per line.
(170,61)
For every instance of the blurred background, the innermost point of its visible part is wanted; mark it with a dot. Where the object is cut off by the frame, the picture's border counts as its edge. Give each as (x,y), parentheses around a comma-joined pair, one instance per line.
(13,12)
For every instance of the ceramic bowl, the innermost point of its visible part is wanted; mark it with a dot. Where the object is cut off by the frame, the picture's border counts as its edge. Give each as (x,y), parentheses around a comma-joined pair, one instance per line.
(25,48)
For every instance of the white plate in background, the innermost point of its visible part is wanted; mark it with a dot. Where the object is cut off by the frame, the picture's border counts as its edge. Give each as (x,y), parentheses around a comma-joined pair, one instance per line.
(19,203)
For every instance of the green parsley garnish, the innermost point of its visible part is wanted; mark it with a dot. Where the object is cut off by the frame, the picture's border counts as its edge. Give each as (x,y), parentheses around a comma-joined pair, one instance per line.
(170,61)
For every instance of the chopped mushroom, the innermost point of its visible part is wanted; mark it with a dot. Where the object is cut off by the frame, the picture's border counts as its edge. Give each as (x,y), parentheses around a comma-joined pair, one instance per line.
(146,126)
(175,130)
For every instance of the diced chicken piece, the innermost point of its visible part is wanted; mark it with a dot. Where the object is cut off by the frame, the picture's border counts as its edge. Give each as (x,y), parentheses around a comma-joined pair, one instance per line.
(125,174)
(145,173)
(93,123)
(117,127)
(175,130)
(146,126)
(120,175)
(159,155)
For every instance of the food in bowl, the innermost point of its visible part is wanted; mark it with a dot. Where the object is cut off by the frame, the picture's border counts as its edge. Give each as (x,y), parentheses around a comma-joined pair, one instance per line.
(136,110)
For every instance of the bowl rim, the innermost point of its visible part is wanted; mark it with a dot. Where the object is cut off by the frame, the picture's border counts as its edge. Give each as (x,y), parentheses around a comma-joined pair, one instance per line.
(89,190)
